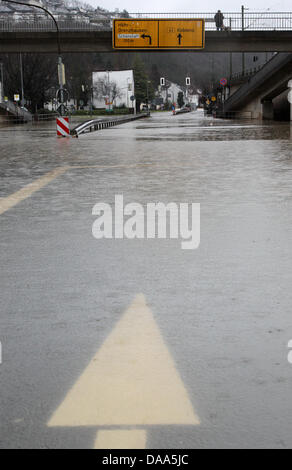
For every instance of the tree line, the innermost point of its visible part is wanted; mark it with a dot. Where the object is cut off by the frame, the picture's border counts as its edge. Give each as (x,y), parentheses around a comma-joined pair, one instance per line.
(41,83)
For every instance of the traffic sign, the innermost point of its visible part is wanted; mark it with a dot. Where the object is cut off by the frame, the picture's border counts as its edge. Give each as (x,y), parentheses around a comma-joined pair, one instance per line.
(135,34)
(16,97)
(63,92)
(61,109)
(181,34)
(159,34)
(63,127)
(223,81)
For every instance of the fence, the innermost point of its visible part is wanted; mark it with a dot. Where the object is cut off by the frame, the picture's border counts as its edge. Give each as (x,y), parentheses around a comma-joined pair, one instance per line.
(34,118)
(246,74)
(257,21)
(268,21)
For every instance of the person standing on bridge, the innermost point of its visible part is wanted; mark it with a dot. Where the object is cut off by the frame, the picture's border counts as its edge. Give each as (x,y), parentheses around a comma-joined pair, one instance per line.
(219,20)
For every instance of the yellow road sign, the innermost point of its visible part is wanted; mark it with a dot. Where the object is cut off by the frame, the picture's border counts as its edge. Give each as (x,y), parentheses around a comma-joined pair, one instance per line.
(159,34)
(135,34)
(181,34)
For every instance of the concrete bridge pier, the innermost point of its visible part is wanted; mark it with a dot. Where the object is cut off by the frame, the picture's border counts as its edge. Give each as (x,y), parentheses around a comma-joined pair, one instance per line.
(267,110)
(290,97)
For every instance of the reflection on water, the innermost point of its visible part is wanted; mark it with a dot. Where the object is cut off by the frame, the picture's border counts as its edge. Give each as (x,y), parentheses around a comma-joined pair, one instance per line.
(201,143)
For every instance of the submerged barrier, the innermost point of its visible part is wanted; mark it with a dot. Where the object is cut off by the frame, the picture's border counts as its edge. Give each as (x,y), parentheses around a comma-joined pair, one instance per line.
(100,124)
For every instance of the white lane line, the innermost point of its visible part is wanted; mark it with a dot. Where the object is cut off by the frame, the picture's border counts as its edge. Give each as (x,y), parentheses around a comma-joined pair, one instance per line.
(8,202)
(121,439)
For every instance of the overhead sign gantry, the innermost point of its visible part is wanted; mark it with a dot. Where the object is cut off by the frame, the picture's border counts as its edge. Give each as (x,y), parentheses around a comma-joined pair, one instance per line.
(168,34)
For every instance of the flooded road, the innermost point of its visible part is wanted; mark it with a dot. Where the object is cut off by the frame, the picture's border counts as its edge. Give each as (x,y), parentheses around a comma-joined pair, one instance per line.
(136,342)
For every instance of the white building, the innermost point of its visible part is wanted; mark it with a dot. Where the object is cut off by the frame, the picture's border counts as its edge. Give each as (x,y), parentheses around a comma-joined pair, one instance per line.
(113,89)
(170,92)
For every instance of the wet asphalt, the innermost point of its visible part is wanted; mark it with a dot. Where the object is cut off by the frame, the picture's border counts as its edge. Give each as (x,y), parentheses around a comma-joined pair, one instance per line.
(223,310)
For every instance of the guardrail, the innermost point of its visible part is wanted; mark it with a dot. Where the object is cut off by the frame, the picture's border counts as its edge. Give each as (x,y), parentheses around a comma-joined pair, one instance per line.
(100,124)
(257,21)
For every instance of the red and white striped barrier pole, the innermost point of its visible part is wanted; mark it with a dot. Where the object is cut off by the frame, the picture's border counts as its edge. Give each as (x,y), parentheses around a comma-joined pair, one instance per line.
(63,128)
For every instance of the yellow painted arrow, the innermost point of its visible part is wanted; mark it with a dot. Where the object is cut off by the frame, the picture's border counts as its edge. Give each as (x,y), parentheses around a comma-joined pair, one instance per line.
(131,381)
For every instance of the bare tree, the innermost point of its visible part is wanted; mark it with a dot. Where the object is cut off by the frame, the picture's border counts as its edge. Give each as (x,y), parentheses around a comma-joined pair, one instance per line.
(106,89)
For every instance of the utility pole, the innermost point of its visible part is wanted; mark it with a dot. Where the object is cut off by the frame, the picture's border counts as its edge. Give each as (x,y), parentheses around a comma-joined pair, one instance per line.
(242,28)
(21,81)
(147,94)
(230,54)
(212,77)
(2,82)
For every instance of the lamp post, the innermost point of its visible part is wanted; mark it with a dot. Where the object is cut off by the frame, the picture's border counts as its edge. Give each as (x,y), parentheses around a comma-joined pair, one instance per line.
(61,70)
(2,82)
(243,9)
(129,88)
(21,81)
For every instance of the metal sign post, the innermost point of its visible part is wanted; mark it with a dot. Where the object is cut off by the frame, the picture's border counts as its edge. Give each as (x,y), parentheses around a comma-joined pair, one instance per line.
(62,82)
(188,84)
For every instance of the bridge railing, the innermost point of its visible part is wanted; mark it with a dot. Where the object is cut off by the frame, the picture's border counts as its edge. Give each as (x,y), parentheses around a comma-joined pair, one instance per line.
(246,74)
(253,21)
(47,25)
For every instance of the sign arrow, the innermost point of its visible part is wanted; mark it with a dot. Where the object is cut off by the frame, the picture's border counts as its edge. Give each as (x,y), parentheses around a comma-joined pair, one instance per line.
(144,36)
(131,381)
(179,38)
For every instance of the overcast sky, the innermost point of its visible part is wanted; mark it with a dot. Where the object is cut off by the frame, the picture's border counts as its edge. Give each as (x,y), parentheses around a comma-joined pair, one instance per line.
(191,6)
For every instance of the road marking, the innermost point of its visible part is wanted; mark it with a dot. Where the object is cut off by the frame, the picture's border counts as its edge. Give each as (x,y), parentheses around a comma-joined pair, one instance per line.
(131,381)
(121,439)
(8,202)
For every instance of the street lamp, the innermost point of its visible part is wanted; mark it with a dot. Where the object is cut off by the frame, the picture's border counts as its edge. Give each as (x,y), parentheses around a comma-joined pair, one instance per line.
(243,10)
(1,81)
(61,70)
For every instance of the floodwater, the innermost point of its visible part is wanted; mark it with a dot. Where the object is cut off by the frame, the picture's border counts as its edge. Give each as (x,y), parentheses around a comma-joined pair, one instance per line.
(109,341)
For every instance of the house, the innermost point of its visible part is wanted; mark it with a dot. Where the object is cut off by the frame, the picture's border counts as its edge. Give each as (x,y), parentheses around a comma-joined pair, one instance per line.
(170,92)
(113,89)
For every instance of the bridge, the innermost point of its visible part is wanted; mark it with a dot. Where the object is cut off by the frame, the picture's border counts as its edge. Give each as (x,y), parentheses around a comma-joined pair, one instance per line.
(257,95)
(253,32)
(11,110)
